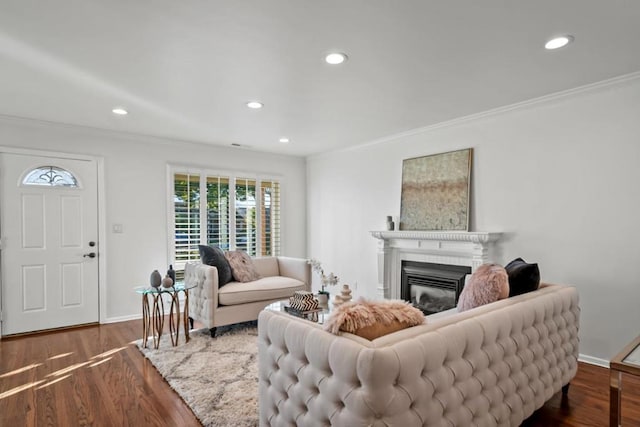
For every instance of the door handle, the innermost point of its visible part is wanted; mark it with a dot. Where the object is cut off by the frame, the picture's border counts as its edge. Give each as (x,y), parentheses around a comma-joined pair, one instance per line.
(90,255)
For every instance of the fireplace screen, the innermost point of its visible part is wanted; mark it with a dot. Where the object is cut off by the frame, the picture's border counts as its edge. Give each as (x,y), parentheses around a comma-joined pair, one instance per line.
(432,287)
(431,299)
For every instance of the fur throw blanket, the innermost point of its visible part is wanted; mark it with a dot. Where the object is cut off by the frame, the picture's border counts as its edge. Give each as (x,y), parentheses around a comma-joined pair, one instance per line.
(371,319)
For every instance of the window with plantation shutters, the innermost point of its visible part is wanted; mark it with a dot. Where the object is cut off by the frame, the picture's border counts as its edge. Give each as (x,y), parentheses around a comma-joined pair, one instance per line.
(224,210)
(218,233)
(270,217)
(186,230)
(246,224)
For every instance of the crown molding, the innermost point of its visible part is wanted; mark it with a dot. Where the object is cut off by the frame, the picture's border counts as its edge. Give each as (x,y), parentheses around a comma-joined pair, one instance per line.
(492,112)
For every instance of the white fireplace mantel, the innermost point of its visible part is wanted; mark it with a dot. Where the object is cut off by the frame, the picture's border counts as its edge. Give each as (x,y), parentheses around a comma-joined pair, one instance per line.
(470,249)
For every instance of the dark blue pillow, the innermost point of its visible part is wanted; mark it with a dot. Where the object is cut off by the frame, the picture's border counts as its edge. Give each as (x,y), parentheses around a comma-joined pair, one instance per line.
(523,277)
(213,255)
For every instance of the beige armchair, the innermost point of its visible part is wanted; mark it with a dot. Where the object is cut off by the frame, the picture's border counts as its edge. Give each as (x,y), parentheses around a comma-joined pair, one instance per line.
(239,302)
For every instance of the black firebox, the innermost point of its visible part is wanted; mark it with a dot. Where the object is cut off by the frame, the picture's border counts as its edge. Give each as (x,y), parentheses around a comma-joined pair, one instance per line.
(432,287)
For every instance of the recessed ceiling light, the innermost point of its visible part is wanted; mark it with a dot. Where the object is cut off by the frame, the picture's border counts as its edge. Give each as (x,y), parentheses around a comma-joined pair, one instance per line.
(335,58)
(120,111)
(558,42)
(284,140)
(255,104)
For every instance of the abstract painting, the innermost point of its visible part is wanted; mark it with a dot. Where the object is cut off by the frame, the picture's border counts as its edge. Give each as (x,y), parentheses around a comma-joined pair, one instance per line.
(435,192)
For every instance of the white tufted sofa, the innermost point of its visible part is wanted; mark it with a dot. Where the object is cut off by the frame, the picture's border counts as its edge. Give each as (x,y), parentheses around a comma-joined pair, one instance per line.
(490,366)
(238,302)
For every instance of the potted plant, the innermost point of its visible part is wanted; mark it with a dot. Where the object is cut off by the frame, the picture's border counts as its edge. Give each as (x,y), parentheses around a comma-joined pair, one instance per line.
(325,280)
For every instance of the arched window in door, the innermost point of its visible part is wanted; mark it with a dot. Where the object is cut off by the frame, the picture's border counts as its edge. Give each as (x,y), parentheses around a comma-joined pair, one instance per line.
(50,176)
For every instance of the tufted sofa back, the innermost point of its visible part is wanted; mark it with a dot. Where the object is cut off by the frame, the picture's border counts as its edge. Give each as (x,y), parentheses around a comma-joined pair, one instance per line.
(490,366)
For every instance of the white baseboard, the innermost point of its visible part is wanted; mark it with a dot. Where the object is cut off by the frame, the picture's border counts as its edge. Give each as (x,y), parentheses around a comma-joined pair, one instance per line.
(137,316)
(122,318)
(593,360)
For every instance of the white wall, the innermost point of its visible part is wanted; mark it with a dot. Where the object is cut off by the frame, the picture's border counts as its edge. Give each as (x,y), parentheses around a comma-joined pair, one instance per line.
(559,176)
(142,208)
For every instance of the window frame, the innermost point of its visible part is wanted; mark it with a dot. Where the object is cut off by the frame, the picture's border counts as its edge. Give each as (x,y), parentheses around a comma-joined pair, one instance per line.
(232,175)
(75,185)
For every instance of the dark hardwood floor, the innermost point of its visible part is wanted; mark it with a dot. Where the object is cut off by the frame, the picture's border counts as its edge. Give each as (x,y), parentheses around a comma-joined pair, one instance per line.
(95,376)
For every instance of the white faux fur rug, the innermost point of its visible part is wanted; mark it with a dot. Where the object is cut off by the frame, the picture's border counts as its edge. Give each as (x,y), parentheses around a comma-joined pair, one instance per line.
(216,377)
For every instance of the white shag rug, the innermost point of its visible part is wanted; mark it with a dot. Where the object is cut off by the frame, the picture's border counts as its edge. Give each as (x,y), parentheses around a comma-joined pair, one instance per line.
(217,377)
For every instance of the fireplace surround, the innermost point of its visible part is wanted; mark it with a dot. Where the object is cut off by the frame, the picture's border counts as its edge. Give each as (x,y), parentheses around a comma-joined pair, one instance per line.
(455,248)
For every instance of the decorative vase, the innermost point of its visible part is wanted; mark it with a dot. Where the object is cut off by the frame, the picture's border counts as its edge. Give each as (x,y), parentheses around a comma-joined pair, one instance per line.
(390,224)
(345,294)
(167,282)
(155,279)
(323,298)
(171,273)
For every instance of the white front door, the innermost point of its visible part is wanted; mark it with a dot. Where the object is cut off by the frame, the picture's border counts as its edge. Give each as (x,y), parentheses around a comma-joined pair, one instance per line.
(48,235)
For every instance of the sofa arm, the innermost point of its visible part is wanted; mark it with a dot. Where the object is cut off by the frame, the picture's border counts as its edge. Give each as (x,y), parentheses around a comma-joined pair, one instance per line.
(203,297)
(296,268)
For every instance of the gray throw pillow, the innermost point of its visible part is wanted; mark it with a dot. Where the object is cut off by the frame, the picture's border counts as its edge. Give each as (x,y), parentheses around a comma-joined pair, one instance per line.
(242,267)
(213,255)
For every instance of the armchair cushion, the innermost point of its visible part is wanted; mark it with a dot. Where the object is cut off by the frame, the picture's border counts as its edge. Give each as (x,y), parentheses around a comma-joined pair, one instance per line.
(267,288)
(213,255)
(267,266)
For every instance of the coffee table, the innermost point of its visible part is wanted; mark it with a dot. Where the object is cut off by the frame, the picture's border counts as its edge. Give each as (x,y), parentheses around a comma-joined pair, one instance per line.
(320,316)
(153,318)
(627,361)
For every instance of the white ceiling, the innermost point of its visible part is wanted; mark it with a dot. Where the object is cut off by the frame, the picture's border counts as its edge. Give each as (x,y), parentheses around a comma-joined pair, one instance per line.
(184,69)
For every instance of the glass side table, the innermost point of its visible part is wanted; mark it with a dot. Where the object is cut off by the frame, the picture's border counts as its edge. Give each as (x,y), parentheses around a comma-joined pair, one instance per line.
(153,317)
(627,361)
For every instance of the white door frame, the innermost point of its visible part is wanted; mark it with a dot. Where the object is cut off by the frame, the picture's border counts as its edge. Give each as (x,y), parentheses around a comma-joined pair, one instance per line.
(102,228)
